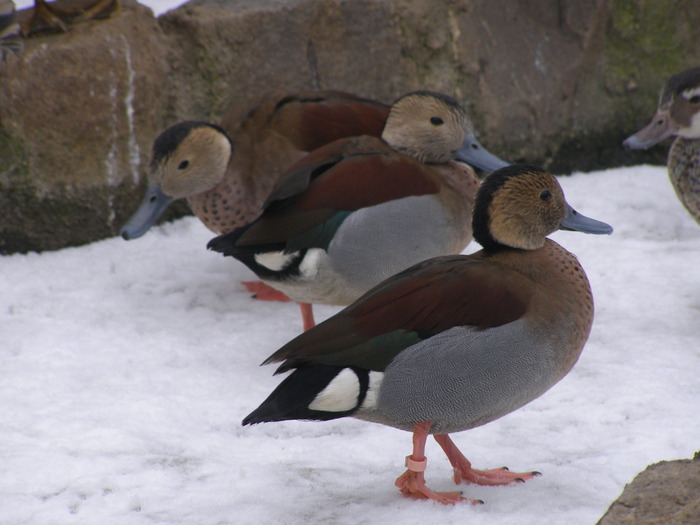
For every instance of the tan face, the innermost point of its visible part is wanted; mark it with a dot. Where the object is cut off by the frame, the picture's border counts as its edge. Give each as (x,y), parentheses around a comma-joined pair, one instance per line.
(426,127)
(526,209)
(197,164)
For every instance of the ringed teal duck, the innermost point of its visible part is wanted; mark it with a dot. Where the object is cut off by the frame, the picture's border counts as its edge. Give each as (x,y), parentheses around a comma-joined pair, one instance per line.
(678,114)
(453,342)
(227,171)
(358,210)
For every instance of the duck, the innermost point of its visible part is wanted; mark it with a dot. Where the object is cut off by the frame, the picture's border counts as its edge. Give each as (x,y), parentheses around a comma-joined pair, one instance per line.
(10,39)
(351,213)
(678,114)
(226,170)
(456,341)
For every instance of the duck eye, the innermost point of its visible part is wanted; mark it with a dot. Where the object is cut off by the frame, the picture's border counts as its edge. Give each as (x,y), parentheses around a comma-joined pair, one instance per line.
(436,121)
(546,195)
(183,165)
(694,99)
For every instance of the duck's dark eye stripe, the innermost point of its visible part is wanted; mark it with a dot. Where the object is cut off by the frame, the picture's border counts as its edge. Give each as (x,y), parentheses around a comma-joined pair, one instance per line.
(183,165)
(546,195)
(695,99)
(436,121)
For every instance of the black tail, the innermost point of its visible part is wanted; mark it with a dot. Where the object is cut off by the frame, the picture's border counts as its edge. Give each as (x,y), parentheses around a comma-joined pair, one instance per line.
(226,243)
(292,397)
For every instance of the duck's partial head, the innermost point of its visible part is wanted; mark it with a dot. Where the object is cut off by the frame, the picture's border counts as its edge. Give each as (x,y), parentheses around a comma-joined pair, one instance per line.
(678,112)
(434,128)
(518,206)
(188,158)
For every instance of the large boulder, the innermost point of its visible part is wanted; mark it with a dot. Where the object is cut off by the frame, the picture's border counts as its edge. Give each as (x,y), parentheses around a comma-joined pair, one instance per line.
(666,493)
(556,83)
(77,114)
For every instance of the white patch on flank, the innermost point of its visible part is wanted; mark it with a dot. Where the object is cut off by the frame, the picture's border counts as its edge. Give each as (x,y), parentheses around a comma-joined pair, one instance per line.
(310,263)
(375,381)
(340,395)
(275,261)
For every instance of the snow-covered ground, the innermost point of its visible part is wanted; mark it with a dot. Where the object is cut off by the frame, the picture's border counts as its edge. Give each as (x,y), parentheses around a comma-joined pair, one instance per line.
(126,368)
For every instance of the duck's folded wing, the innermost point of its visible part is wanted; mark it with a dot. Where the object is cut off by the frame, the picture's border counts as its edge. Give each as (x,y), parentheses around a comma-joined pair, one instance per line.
(328,187)
(326,116)
(414,305)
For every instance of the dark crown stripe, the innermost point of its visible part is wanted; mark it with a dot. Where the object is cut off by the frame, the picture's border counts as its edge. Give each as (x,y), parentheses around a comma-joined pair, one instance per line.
(168,141)
(484,197)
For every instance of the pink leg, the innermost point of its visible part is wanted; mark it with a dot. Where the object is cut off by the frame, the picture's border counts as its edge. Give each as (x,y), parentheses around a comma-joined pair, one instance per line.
(307,316)
(412,482)
(263,292)
(463,470)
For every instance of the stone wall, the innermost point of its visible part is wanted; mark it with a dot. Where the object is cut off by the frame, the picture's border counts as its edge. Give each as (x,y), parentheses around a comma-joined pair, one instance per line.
(557,83)
(666,493)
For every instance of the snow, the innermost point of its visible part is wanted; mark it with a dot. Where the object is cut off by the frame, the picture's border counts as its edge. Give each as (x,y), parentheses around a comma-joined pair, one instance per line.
(126,368)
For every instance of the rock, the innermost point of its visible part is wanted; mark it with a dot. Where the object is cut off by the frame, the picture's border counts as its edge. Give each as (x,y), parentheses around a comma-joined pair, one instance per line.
(79,111)
(666,493)
(557,83)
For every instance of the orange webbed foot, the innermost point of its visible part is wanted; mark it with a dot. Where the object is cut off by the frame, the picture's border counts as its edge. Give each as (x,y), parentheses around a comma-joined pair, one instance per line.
(412,484)
(463,471)
(497,476)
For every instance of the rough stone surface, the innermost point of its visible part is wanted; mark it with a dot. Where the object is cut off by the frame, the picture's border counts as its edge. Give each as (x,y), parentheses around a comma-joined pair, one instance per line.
(557,83)
(666,493)
(77,113)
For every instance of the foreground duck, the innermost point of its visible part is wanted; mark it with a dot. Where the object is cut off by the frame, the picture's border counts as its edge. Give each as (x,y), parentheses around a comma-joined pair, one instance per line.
(358,210)
(678,114)
(456,341)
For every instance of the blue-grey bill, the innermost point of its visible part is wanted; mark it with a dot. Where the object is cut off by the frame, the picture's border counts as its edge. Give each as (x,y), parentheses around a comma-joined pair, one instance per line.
(474,154)
(657,130)
(574,221)
(152,207)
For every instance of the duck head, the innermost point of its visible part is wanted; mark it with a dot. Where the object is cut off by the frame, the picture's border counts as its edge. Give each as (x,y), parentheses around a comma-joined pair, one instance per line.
(434,128)
(518,206)
(678,112)
(188,158)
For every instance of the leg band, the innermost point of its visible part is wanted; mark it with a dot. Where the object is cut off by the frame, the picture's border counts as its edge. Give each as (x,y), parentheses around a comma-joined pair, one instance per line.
(416,466)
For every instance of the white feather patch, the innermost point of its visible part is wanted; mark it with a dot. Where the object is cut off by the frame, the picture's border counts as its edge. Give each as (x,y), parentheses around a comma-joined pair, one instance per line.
(340,395)
(275,261)
(311,261)
(375,380)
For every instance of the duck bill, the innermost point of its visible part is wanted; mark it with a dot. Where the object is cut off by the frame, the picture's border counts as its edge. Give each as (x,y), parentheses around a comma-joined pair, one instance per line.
(474,154)
(657,130)
(575,222)
(152,207)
